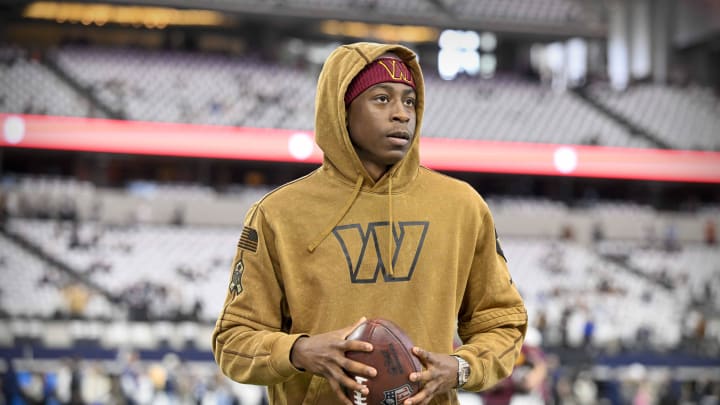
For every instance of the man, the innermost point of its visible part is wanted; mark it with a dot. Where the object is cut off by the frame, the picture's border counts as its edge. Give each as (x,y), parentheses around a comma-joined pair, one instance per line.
(370,233)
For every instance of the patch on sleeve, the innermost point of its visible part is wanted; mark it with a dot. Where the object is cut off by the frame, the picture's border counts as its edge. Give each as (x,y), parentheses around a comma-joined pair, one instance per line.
(498,248)
(236,280)
(248,239)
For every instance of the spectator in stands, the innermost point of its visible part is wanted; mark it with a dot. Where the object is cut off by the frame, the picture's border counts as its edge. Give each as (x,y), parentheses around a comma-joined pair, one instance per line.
(67,211)
(76,298)
(76,241)
(370,233)
(11,391)
(598,233)
(710,233)
(588,331)
(254,178)
(567,233)
(96,385)
(542,324)
(178,216)
(670,239)
(75,382)
(667,391)
(567,312)
(3,210)
(554,259)
(131,377)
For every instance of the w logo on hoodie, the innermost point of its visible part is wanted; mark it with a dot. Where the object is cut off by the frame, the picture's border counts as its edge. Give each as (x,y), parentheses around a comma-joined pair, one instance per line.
(368,252)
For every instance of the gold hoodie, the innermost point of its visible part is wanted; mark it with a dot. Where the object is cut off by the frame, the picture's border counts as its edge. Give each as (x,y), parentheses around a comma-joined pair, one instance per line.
(314,256)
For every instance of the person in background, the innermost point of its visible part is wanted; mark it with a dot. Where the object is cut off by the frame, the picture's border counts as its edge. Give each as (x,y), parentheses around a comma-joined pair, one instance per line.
(527,385)
(710,233)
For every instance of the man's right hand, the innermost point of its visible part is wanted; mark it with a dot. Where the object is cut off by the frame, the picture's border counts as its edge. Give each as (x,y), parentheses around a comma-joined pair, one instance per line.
(324,355)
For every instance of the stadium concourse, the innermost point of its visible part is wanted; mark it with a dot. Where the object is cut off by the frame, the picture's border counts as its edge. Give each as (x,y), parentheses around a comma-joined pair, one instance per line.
(114,266)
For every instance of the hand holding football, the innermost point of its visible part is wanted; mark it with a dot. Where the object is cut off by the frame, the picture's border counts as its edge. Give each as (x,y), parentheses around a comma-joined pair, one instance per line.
(392,358)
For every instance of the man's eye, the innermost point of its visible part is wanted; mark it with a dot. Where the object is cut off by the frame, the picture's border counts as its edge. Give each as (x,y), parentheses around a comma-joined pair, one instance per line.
(382,98)
(410,102)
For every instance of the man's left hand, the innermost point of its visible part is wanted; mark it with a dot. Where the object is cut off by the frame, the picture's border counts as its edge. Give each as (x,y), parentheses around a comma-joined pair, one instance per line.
(440,375)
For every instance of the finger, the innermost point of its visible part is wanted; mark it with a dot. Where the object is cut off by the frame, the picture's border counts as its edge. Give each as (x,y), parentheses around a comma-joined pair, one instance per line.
(357,368)
(357,346)
(339,392)
(353,384)
(418,399)
(423,377)
(422,354)
(349,329)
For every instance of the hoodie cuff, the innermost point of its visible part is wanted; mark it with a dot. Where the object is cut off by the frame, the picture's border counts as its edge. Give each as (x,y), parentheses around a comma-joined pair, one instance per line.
(280,357)
(478,371)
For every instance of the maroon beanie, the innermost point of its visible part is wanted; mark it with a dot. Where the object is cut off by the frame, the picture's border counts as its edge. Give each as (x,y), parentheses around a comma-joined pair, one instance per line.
(379,71)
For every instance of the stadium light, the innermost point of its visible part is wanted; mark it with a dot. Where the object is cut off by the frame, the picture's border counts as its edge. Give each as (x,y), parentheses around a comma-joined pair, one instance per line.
(101,14)
(382,32)
(459,53)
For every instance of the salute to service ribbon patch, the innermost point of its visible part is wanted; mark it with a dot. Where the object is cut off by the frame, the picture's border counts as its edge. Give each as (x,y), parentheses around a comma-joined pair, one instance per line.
(236,280)
(248,239)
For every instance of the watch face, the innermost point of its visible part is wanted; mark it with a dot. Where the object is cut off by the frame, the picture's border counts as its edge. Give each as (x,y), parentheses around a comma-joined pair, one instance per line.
(464,374)
(463,371)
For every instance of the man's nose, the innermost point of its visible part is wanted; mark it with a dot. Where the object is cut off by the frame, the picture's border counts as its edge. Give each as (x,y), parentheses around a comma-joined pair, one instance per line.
(400,112)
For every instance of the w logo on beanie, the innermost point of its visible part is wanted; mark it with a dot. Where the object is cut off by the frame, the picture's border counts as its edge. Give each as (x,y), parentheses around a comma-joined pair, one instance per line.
(379,71)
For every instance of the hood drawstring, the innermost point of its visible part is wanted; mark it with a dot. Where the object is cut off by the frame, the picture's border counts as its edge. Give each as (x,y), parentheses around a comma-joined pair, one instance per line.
(321,237)
(391,235)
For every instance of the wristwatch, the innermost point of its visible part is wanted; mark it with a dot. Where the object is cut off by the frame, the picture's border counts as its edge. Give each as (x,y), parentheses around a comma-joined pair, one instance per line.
(463,373)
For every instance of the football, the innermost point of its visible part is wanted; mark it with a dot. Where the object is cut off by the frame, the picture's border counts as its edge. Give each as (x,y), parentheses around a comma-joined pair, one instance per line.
(391,357)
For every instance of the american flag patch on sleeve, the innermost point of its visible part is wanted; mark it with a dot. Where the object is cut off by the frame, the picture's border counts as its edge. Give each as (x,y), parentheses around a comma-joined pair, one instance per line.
(248,239)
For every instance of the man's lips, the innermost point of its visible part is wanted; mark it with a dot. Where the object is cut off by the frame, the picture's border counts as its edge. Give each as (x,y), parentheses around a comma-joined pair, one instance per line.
(399,139)
(400,134)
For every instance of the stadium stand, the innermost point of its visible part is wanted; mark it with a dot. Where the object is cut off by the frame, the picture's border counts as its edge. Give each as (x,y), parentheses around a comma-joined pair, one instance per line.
(544,12)
(28,86)
(513,109)
(181,87)
(36,291)
(596,272)
(193,88)
(186,264)
(682,117)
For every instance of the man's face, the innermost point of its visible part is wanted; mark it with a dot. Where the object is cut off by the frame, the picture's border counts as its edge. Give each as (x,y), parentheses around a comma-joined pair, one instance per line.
(381,122)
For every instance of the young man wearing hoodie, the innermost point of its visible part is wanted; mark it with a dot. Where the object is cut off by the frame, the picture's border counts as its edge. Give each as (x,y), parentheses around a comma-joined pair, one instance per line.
(370,233)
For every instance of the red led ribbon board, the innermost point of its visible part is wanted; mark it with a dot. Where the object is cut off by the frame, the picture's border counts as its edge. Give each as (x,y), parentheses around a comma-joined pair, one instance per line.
(281,145)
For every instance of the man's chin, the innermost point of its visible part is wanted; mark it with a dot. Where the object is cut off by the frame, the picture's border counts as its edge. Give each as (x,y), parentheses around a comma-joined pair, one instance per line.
(395,157)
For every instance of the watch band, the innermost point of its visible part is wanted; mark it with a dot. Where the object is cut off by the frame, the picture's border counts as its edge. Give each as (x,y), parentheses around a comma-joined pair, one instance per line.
(463,373)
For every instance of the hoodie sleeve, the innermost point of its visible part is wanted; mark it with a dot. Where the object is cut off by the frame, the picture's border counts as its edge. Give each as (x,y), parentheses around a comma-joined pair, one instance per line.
(492,320)
(250,342)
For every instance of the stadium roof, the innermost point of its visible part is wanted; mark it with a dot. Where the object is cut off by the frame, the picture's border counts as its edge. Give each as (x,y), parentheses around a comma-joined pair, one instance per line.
(557,18)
